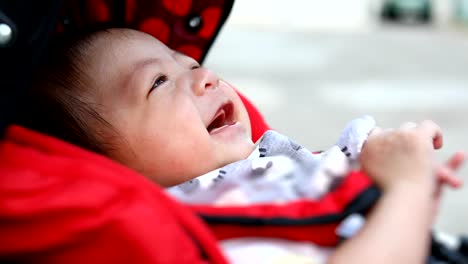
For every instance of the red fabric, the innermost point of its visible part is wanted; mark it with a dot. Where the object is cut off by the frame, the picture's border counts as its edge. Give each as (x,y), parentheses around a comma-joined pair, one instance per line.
(61,204)
(166,20)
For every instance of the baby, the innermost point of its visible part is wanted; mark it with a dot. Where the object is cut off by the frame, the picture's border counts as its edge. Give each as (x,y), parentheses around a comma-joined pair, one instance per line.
(124,94)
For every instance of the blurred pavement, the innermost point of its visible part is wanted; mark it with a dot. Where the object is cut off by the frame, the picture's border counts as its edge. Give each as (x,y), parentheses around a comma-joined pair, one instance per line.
(309,81)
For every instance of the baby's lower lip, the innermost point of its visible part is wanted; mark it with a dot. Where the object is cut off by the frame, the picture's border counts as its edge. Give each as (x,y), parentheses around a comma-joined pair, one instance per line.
(221,129)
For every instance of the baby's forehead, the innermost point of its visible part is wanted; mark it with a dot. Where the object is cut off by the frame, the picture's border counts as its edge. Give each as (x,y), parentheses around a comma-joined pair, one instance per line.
(131,36)
(118,52)
(127,45)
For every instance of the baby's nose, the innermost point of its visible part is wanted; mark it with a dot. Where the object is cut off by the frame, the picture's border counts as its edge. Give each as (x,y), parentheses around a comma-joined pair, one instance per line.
(204,80)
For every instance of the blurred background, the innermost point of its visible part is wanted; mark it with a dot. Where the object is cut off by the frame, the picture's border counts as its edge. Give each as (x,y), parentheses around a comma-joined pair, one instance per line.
(311,66)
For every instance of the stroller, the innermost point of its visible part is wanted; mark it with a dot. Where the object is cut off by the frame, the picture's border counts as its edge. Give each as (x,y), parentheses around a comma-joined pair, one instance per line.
(53,209)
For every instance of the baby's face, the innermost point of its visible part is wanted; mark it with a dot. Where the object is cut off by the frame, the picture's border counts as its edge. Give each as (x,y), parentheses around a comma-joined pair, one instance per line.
(177,120)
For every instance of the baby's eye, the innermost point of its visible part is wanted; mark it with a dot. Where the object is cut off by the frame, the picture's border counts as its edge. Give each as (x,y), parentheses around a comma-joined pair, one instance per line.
(159,81)
(196,66)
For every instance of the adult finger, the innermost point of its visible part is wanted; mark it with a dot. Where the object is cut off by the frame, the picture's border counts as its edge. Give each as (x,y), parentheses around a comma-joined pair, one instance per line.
(408,125)
(456,160)
(446,176)
(434,131)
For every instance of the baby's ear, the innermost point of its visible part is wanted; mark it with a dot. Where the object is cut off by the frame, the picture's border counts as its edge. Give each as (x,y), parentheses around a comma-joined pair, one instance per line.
(354,135)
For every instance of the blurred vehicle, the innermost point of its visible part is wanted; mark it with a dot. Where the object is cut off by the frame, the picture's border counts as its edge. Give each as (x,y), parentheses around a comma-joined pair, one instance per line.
(461,11)
(407,10)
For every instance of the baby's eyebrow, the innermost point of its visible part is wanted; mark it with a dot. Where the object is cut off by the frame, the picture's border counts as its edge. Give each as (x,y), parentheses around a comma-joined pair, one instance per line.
(142,64)
(134,74)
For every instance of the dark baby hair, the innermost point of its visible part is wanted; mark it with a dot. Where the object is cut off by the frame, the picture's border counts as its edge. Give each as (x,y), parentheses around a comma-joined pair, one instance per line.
(54,105)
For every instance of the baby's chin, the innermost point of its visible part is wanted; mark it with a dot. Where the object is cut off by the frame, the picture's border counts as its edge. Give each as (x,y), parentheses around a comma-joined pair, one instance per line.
(240,151)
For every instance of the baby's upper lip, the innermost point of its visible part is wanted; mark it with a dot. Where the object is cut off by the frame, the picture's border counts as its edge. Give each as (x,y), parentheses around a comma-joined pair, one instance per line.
(223,115)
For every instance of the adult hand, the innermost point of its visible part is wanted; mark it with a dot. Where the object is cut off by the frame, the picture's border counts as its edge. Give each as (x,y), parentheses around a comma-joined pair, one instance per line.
(403,155)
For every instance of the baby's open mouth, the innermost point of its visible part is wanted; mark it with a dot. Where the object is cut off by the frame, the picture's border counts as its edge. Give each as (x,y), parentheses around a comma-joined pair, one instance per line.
(223,117)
